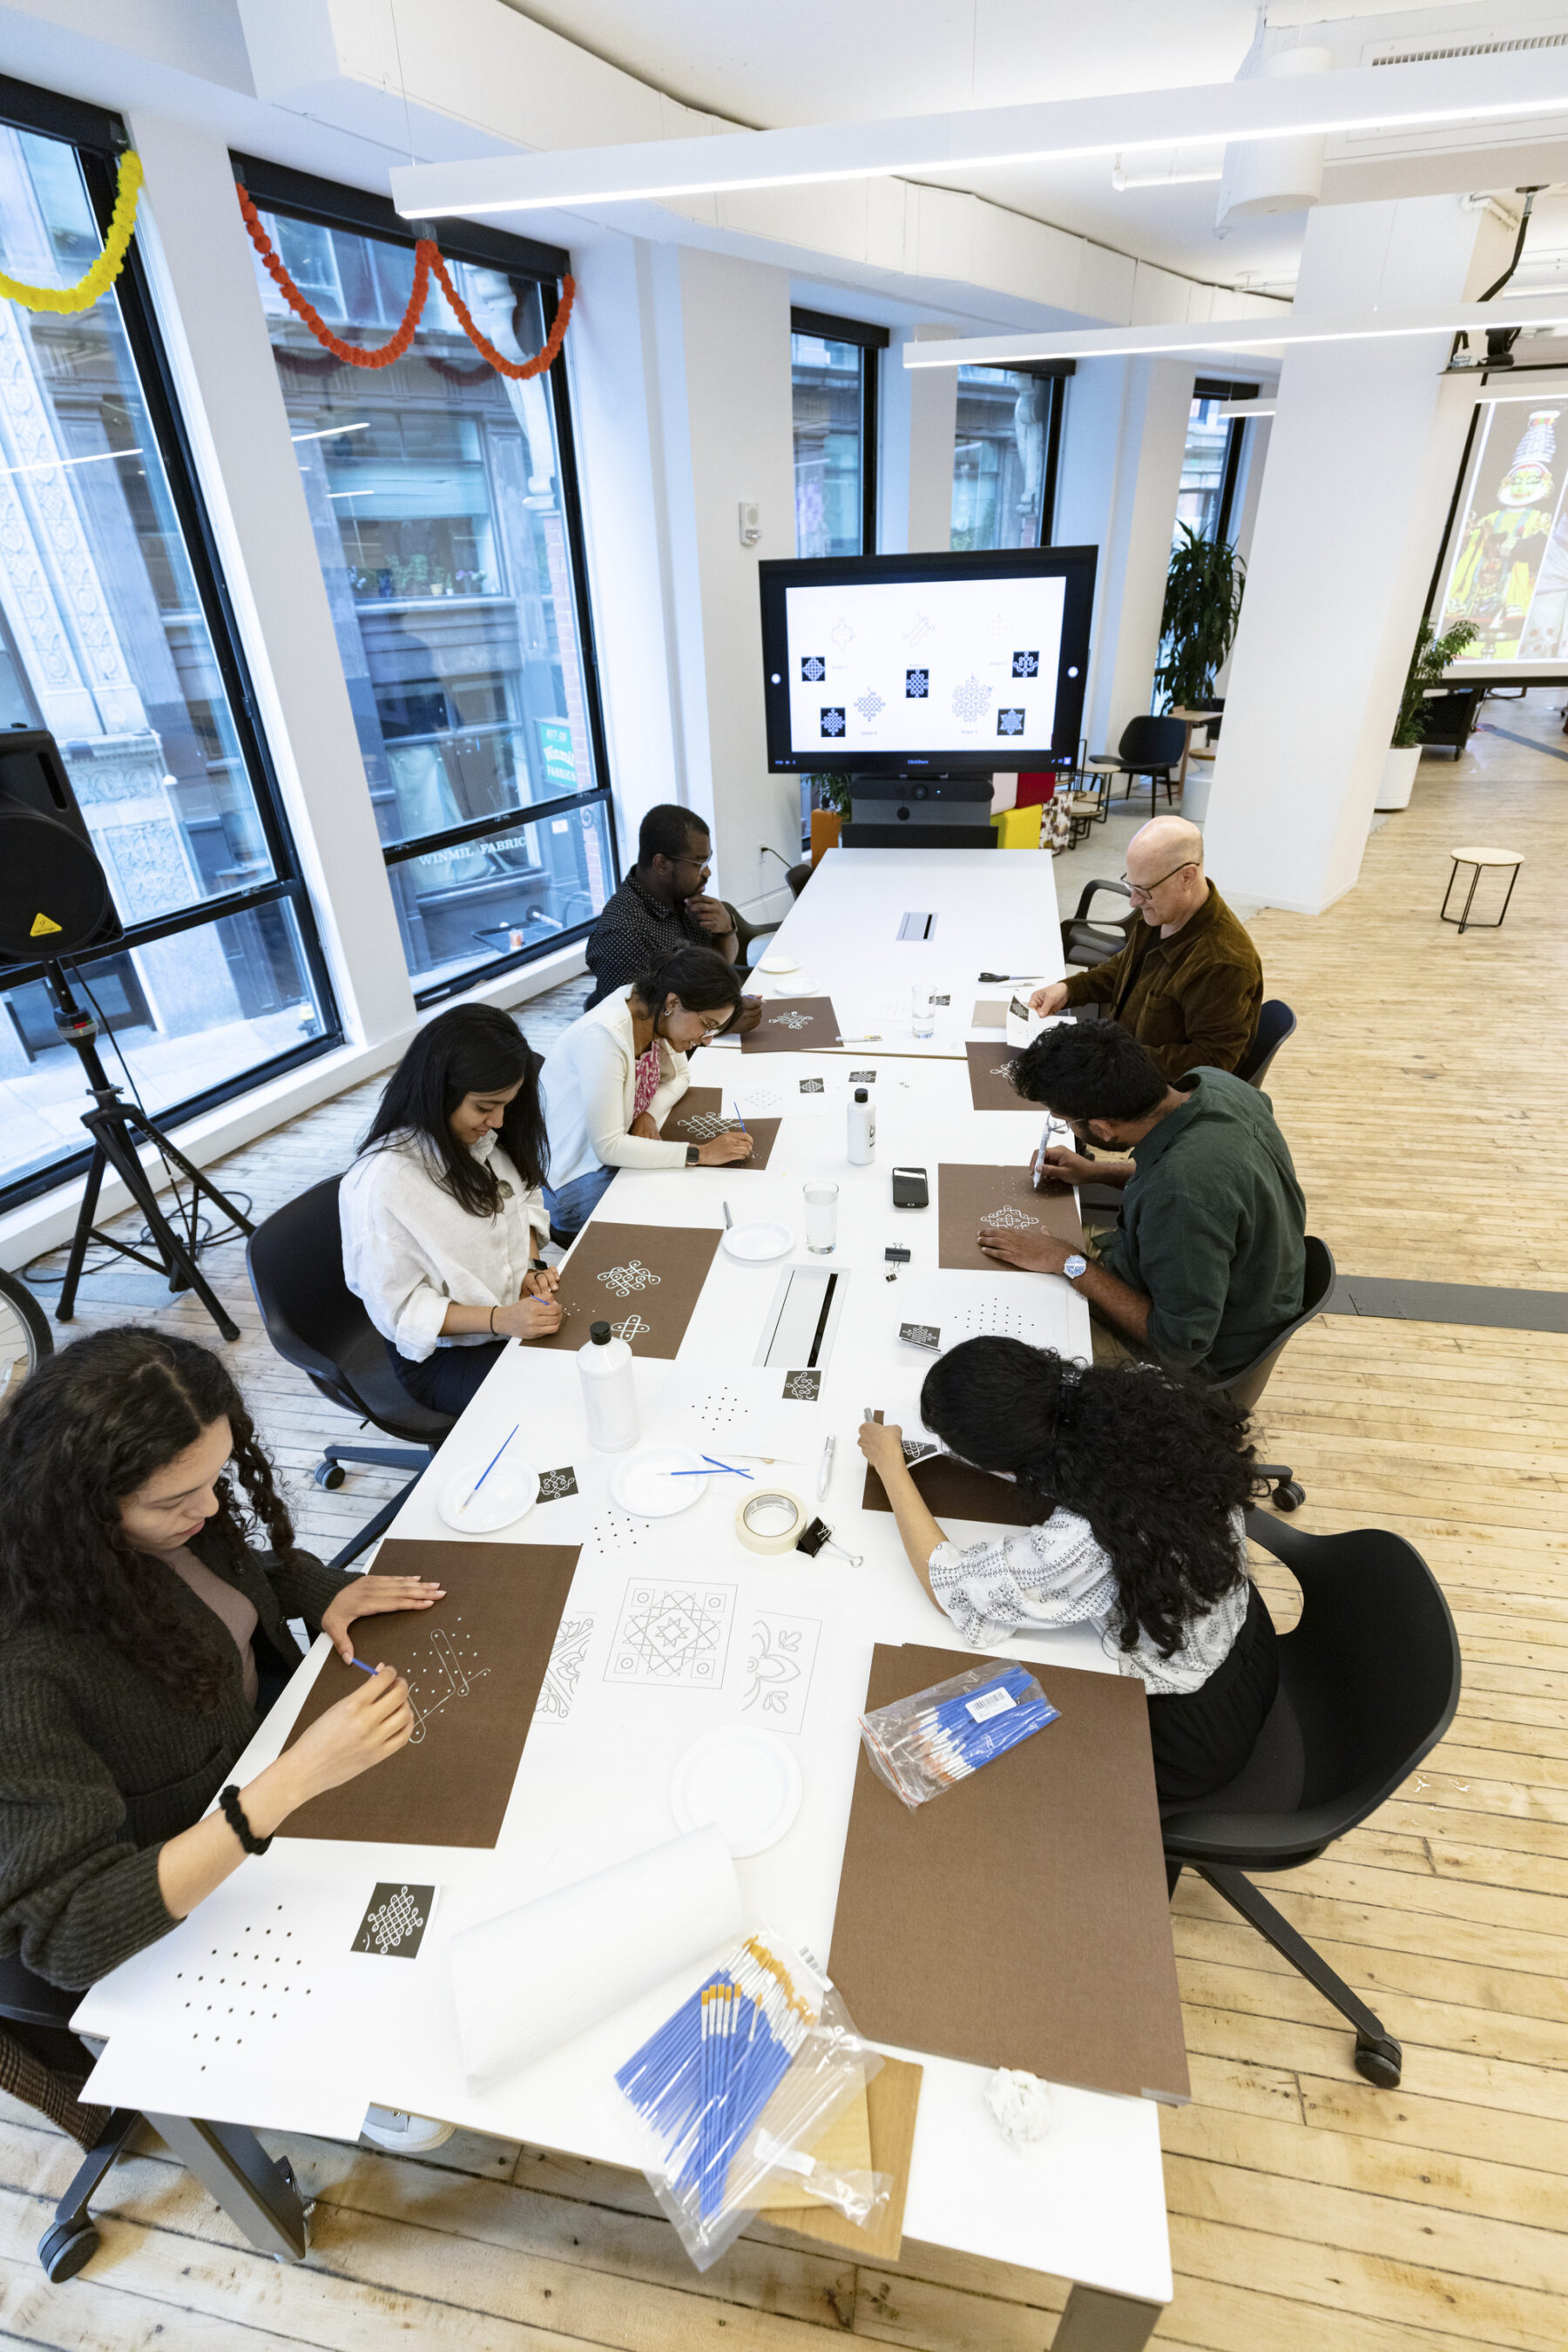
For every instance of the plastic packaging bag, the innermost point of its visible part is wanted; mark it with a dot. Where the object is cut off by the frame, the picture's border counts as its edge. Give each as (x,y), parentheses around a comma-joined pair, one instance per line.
(922,1745)
(737,2090)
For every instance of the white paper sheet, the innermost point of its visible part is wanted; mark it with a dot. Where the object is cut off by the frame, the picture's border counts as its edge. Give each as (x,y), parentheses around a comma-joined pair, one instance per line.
(526,1982)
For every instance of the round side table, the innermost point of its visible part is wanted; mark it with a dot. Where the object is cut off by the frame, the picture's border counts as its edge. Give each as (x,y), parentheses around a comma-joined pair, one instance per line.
(1479,859)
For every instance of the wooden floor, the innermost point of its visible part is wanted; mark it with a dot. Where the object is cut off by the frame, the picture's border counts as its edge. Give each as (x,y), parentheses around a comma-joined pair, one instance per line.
(1424,1098)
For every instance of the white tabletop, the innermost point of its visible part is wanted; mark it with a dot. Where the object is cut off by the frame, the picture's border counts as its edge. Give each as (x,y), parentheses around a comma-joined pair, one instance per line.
(1086,2203)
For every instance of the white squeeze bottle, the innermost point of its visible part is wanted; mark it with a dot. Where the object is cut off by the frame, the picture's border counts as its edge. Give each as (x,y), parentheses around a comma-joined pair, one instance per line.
(862,1129)
(609,1392)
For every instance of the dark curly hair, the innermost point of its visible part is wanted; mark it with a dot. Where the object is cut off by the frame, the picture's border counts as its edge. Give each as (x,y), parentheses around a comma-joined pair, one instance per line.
(85,1430)
(1091,1069)
(470,1049)
(1156,1463)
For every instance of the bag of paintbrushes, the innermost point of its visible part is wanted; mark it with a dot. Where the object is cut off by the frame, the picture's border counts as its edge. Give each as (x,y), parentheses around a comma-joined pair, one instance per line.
(740,2089)
(929,1742)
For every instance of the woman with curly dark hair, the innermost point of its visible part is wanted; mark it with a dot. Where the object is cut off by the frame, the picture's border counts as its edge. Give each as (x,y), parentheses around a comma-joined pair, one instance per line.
(139,1629)
(1140,1476)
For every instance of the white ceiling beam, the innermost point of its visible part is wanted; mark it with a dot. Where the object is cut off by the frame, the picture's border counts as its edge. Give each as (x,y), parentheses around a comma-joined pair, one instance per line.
(1274,333)
(1359,97)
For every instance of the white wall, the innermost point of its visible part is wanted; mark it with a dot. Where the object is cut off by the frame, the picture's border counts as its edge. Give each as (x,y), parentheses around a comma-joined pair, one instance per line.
(918,425)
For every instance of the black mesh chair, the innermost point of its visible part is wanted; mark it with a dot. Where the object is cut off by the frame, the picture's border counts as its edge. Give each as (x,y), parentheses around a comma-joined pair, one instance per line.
(316,1324)
(1244,1387)
(1369,1682)
(1084,942)
(257,2190)
(1149,747)
(1275,1021)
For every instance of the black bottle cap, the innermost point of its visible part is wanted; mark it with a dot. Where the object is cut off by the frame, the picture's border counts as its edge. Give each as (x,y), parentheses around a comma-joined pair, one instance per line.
(600,1334)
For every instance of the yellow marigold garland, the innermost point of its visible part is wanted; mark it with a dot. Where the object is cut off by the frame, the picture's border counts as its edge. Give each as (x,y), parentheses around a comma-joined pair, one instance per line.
(103,272)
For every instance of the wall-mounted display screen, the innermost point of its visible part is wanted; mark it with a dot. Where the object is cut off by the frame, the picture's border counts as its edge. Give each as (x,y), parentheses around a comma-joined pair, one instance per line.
(943,664)
(1507,562)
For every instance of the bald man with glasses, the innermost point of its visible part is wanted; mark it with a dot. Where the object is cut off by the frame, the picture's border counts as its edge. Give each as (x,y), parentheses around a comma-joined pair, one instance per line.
(1188,984)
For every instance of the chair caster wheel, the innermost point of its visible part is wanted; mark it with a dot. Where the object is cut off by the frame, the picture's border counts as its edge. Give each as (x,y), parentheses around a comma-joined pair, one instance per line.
(1288,1496)
(65,2249)
(1380,2061)
(331,1474)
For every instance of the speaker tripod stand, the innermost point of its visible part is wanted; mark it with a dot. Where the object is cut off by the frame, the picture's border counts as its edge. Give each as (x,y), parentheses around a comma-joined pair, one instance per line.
(117,1128)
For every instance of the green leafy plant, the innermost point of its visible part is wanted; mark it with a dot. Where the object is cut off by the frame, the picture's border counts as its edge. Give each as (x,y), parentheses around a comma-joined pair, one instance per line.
(1430,659)
(1203,605)
(834,788)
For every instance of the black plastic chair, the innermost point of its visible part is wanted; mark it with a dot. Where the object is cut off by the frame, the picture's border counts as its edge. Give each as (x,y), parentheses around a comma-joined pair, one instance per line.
(316,1324)
(1369,1682)
(1275,1021)
(1149,747)
(223,2157)
(1084,942)
(1244,1387)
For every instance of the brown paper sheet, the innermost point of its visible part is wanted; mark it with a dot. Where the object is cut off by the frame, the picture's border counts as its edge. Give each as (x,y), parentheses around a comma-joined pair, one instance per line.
(697,1115)
(892,2104)
(791,1025)
(475,1664)
(990,1014)
(844,2148)
(643,1280)
(967,1198)
(1020,1919)
(956,1490)
(990,1087)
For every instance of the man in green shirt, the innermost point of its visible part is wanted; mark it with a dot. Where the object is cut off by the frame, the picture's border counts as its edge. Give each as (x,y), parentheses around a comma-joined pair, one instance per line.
(1208,1265)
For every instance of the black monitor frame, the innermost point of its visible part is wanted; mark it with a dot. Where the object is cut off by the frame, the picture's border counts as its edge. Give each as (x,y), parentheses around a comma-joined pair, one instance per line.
(1075,565)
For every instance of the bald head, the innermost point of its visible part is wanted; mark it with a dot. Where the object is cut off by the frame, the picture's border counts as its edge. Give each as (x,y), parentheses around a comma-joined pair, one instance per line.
(1165,868)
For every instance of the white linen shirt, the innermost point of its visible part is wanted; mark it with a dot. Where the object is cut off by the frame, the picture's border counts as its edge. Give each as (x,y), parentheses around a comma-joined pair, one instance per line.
(410,1251)
(589,1087)
(1057,1574)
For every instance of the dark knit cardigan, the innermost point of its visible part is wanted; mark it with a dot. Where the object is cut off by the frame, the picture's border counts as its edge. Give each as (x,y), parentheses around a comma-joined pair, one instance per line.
(97,1767)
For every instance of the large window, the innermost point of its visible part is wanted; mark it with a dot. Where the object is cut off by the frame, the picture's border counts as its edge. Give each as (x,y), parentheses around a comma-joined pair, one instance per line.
(1007,445)
(833,369)
(1212,460)
(115,634)
(444,503)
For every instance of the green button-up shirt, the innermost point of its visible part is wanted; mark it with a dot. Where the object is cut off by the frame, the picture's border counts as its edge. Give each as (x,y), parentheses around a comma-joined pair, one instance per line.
(1212,1229)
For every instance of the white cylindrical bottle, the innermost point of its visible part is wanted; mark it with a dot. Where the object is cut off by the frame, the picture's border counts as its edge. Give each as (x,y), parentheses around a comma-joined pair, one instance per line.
(862,1129)
(609,1392)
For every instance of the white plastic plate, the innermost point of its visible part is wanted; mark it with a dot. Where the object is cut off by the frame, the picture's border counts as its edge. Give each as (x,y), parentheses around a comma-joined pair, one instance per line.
(744,1780)
(642,1484)
(509,1493)
(757,1243)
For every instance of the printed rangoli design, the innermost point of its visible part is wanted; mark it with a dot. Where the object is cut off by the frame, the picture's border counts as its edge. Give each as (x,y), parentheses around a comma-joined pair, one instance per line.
(624,1279)
(672,1634)
(562,1675)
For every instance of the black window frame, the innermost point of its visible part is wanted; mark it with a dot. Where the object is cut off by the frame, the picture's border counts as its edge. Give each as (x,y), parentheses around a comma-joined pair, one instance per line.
(872,342)
(1210,387)
(99,139)
(1056,372)
(300,195)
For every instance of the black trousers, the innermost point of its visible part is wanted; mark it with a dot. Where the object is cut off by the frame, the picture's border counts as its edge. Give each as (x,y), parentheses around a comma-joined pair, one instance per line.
(450,1378)
(1202,1738)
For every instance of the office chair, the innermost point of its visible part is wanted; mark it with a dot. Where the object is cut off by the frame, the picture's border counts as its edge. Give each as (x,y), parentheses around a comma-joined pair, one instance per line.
(1149,747)
(1368,1683)
(1244,1387)
(315,1322)
(1275,1021)
(219,2155)
(1084,942)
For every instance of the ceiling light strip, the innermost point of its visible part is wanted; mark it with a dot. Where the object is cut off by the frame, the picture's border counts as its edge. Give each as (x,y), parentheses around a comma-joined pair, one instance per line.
(1284,328)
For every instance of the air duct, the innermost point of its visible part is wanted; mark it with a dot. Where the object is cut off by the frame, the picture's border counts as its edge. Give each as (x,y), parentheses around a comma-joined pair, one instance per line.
(1276,175)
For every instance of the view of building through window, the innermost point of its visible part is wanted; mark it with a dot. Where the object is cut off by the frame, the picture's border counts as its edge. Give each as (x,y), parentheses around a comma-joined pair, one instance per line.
(1211,460)
(436,493)
(1001,459)
(829,380)
(107,640)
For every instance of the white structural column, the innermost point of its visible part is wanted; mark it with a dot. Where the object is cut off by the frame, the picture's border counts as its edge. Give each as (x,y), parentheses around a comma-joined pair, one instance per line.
(918,412)
(218,344)
(1125,432)
(1365,443)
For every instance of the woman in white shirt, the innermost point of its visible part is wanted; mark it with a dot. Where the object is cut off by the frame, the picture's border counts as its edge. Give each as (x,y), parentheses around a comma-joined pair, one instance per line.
(613,1077)
(1141,1476)
(443,1214)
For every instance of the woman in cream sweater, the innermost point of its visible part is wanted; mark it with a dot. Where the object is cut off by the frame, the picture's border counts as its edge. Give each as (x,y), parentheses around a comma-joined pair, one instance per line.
(613,1077)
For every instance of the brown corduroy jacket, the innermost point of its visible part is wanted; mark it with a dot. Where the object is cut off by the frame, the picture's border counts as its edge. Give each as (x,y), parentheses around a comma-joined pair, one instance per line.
(1193,999)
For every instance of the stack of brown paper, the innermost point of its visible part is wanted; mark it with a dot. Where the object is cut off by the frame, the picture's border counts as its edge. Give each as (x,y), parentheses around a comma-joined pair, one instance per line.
(884,2119)
(1020,1919)
(475,1664)
(968,1198)
(642,1280)
(699,1114)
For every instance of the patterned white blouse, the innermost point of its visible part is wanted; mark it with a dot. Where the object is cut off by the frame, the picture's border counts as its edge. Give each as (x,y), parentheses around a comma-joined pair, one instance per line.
(1057,1574)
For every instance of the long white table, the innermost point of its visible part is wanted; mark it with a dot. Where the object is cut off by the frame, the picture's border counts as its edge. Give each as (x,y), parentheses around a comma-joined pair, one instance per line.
(1086,2203)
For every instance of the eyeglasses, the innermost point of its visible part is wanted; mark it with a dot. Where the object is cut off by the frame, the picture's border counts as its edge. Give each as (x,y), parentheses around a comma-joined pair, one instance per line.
(1140,892)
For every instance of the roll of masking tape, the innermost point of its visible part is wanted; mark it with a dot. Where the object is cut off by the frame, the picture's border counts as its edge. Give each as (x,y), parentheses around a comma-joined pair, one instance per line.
(771,1520)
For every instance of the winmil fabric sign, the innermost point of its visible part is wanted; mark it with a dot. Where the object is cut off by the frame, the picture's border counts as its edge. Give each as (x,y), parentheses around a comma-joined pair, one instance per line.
(475,1664)
(699,1114)
(643,1281)
(968,1198)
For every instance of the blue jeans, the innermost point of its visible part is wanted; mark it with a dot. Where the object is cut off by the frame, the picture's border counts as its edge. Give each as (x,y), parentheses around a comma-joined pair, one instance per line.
(570,1207)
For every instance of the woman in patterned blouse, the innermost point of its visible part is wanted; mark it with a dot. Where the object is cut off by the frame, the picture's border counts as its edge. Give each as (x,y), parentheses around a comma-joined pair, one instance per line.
(1141,1477)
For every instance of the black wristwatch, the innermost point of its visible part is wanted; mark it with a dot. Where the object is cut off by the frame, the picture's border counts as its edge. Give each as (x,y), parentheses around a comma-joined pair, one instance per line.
(234,1814)
(692,1155)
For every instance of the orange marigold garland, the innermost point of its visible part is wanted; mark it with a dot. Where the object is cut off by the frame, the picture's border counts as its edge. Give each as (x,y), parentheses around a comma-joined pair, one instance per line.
(427,258)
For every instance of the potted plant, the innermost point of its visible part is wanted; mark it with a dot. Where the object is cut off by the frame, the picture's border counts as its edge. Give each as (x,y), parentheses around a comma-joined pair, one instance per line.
(831,791)
(1431,657)
(1197,628)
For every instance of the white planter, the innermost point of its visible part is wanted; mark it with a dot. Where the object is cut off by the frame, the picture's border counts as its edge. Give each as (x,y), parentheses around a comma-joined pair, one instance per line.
(1398,778)
(1197,789)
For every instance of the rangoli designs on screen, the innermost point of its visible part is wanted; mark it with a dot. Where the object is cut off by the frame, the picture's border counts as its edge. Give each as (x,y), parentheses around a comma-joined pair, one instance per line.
(1009,722)
(971,699)
(1026,665)
(870,704)
(833,718)
(917,685)
(672,1635)
(813,668)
